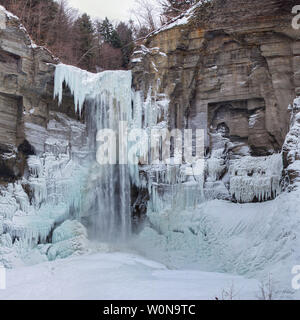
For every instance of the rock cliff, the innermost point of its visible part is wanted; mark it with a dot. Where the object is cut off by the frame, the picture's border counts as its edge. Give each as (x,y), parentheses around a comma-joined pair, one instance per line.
(26,97)
(229,67)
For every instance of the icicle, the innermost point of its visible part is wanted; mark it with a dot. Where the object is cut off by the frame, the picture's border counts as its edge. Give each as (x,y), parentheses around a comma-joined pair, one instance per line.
(85,85)
(109,99)
(256,178)
(35,166)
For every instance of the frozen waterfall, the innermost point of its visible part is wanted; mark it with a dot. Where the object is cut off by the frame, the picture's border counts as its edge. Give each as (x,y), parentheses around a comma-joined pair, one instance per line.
(108,101)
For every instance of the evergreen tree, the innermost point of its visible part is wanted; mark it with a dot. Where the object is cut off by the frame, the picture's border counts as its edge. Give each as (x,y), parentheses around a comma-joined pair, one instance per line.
(77,40)
(109,34)
(85,42)
(125,33)
(115,40)
(106,29)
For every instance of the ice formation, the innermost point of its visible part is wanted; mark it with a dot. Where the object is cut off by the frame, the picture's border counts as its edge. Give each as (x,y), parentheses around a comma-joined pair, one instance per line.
(68,239)
(291,148)
(68,230)
(49,193)
(31,216)
(215,167)
(108,99)
(85,85)
(256,178)
(74,246)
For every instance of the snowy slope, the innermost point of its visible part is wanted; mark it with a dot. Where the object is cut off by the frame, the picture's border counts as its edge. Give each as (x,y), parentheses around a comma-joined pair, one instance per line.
(112,276)
(254,240)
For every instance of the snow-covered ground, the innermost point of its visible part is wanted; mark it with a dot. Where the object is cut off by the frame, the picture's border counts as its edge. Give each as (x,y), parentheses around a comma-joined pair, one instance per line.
(124,276)
(255,240)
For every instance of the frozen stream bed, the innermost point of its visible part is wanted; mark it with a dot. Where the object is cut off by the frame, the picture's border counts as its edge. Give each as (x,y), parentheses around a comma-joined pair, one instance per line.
(124,276)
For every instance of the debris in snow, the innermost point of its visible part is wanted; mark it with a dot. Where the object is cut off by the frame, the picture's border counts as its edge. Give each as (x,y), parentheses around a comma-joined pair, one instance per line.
(154,67)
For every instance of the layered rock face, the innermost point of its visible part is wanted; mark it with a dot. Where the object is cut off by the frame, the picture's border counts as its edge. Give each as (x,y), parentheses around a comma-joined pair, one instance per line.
(229,68)
(26,96)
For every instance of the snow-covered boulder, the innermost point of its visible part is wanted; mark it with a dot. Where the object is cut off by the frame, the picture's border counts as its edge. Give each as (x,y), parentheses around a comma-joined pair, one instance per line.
(68,239)
(9,252)
(68,230)
(63,249)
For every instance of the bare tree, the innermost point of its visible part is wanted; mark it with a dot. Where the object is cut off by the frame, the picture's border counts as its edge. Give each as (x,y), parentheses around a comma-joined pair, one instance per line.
(110,58)
(146,14)
(173,8)
(76,41)
(267,290)
(228,294)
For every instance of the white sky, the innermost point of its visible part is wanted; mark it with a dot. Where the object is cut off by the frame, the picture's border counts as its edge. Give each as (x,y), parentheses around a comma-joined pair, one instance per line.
(113,9)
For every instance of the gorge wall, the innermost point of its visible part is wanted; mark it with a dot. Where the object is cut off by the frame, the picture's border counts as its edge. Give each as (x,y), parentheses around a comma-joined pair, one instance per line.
(26,97)
(230,68)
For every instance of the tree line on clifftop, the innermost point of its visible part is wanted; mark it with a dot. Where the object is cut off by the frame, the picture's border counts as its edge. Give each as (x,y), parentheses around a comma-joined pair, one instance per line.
(93,45)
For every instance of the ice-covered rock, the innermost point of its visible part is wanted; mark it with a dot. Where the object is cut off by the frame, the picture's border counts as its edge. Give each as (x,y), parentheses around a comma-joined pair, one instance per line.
(69,229)
(70,238)
(256,178)
(216,190)
(215,168)
(291,147)
(73,246)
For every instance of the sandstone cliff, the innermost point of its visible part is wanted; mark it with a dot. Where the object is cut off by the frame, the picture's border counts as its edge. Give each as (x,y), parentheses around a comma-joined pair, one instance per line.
(230,67)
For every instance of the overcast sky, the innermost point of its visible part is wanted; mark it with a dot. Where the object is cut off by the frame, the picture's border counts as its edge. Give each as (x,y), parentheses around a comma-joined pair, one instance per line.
(113,9)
